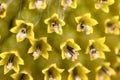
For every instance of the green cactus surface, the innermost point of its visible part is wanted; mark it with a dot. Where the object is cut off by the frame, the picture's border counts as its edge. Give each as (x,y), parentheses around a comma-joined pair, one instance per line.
(59,39)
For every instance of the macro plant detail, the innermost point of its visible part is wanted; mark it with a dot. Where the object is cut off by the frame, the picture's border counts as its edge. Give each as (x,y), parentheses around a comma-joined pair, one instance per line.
(69,50)
(96,47)
(11,60)
(112,25)
(104,72)
(85,23)
(23,30)
(59,39)
(55,24)
(40,47)
(104,4)
(52,72)
(78,72)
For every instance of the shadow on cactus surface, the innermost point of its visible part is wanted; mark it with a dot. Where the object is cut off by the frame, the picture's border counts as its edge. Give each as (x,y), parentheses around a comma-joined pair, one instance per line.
(59,39)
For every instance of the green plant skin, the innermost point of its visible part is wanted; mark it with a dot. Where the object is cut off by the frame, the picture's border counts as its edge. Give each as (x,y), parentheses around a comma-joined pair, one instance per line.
(34,67)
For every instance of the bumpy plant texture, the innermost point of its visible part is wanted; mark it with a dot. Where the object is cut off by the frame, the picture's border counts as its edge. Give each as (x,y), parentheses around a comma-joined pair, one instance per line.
(59,39)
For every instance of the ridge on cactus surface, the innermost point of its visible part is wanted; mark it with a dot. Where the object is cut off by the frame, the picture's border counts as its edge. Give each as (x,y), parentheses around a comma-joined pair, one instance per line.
(59,39)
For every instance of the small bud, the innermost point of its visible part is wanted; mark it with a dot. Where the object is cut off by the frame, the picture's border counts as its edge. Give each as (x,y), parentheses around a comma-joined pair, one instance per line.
(56,27)
(111,27)
(51,77)
(37,52)
(84,27)
(105,70)
(92,49)
(38,3)
(10,66)
(55,24)
(10,63)
(22,33)
(81,26)
(75,73)
(93,52)
(77,77)
(71,53)
(68,55)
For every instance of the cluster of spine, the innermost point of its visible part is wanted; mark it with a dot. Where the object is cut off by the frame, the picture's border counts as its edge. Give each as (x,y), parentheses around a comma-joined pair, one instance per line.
(59,40)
